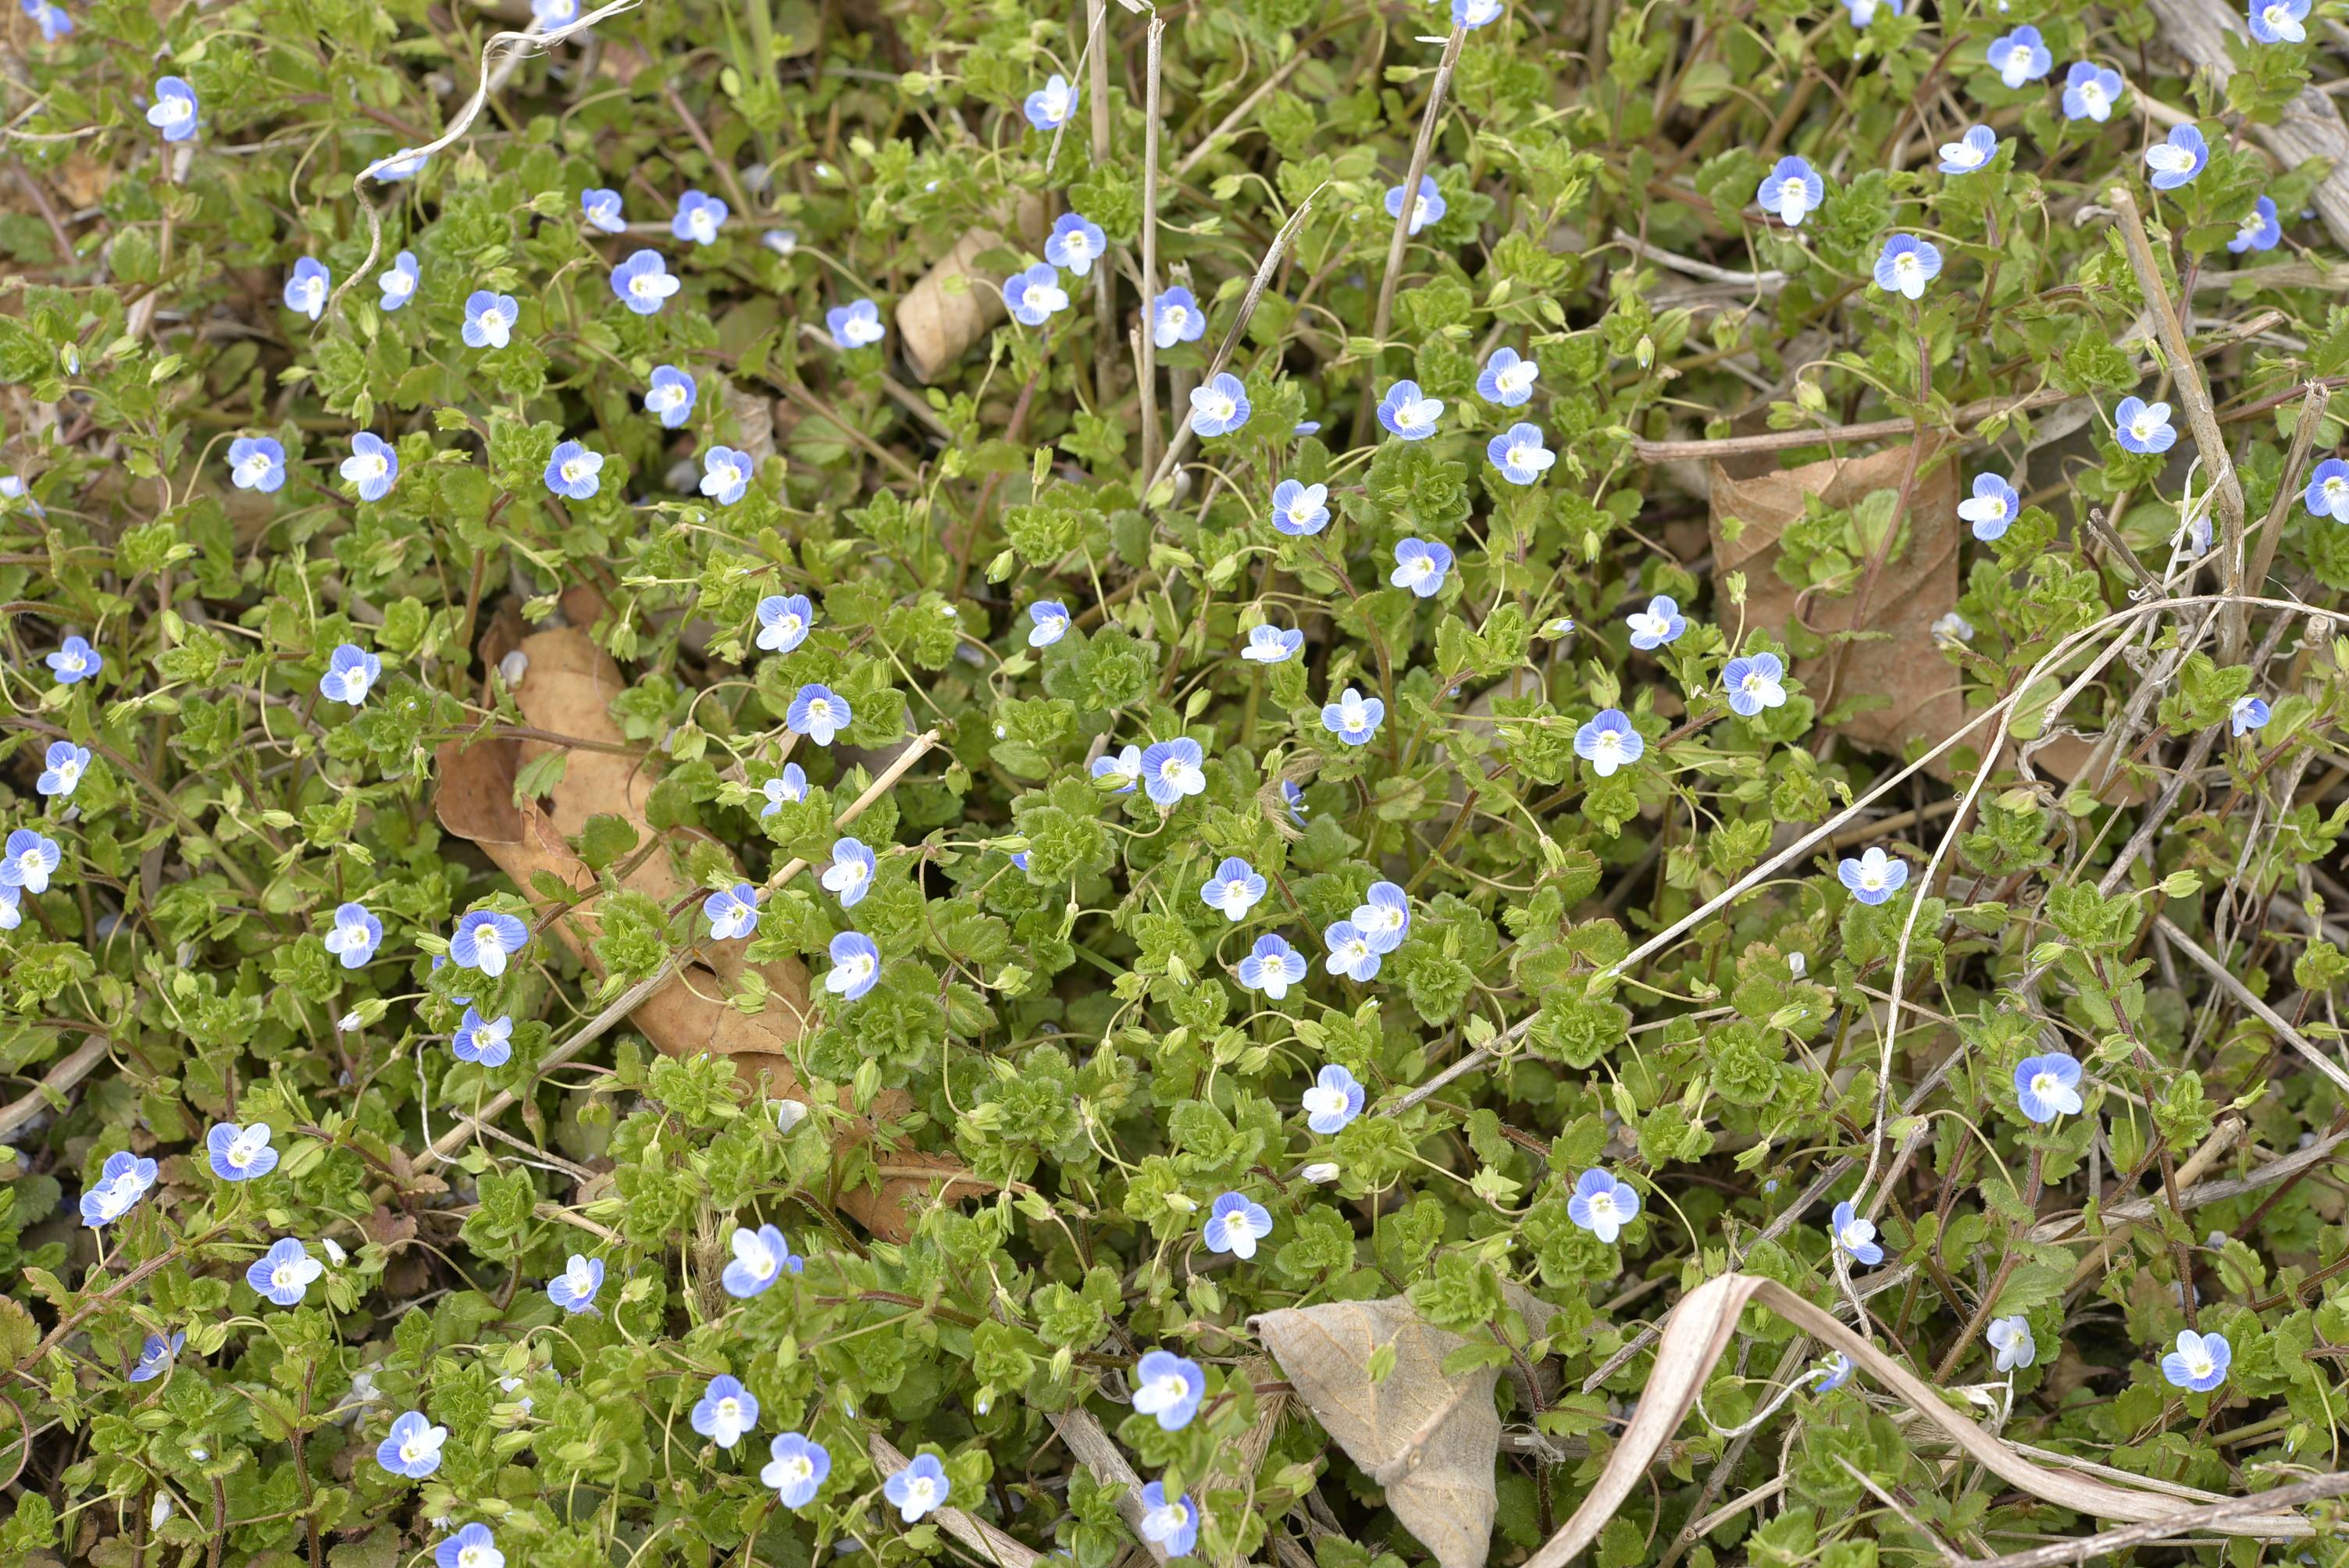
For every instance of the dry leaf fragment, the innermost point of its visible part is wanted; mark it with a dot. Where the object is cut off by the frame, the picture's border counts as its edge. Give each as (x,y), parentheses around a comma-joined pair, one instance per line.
(1429,1438)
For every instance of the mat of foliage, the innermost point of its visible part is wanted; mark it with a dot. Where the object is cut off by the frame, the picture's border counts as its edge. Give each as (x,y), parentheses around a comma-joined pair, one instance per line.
(807,777)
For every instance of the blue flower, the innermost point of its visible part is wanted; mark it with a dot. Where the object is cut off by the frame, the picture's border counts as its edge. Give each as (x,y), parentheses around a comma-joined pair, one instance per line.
(1863,12)
(574,1290)
(1074,242)
(1519,454)
(485,938)
(2047,1087)
(1474,13)
(1294,799)
(1269,645)
(62,768)
(856,965)
(1173,769)
(283,1272)
(1220,407)
(671,396)
(1420,566)
(489,1043)
(471,1547)
(2247,713)
(1428,209)
(1050,623)
(1832,1373)
(783,622)
(698,218)
(1335,1099)
(306,291)
(1661,622)
(1175,317)
(413,1446)
(399,166)
(1049,107)
(796,1466)
(1970,151)
(1170,1387)
(11,488)
(1299,510)
(726,1411)
(642,283)
(1383,917)
(156,1355)
(2199,1363)
(354,936)
(75,660)
(1351,954)
(489,319)
(257,462)
(121,1182)
(1125,768)
(373,466)
(761,1258)
(819,713)
(2279,21)
(1406,412)
(732,911)
(52,20)
(2022,56)
(1993,509)
(1173,1526)
(2090,90)
(790,787)
(601,207)
(29,859)
(1035,296)
(1507,379)
(351,672)
(2178,160)
(850,872)
(2259,230)
(856,324)
(1906,265)
(396,280)
(1855,1235)
(573,472)
(1873,877)
(921,1486)
(1753,684)
(240,1153)
(1235,889)
(1608,742)
(2143,426)
(551,14)
(1602,1205)
(725,475)
(1353,718)
(2327,496)
(174,110)
(1272,967)
(1235,1222)
(1792,192)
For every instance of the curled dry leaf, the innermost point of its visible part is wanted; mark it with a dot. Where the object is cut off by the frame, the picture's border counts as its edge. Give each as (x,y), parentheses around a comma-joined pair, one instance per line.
(954,303)
(1428,1437)
(567,689)
(1699,1332)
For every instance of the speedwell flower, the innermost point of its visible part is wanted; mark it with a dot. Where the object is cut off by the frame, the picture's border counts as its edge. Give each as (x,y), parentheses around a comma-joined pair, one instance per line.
(1970,151)
(1792,191)
(2199,1363)
(1334,1100)
(485,939)
(2047,1087)
(1753,684)
(761,1258)
(1661,622)
(240,1153)
(671,396)
(1048,623)
(787,787)
(601,207)
(121,1182)
(351,672)
(1235,1222)
(1220,407)
(856,324)
(355,935)
(1269,645)
(1075,242)
(725,1411)
(1300,510)
(306,291)
(1873,877)
(28,859)
(2259,230)
(413,1446)
(1173,769)
(1272,967)
(1350,953)
(174,110)
(1602,1205)
(2090,90)
(2143,426)
(1235,889)
(1353,718)
(1425,209)
(1048,108)
(1994,507)
(53,21)
(1035,296)
(796,1466)
(698,218)
(783,621)
(2010,1343)
(489,319)
(1383,917)
(573,472)
(2175,161)
(471,1547)
(850,872)
(574,1290)
(856,965)
(819,713)
(2327,496)
(257,463)
(1519,454)
(397,281)
(2247,713)
(1170,1387)
(731,912)
(1420,566)
(488,1043)
(725,475)
(1170,1523)
(1906,265)
(2279,21)
(1407,412)
(2021,57)
(1855,1235)
(1608,742)
(62,767)
(155,1356)
(1507,379)
(283,1274)
(1175,317)
(1125,767)
(643,282)
(373,466)
(75,660)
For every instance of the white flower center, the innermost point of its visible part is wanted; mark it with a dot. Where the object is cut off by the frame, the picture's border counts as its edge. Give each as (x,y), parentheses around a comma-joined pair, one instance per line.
(243,1149)
(1793,193)
(2336,491)
(795,1468)
(819,711)
(1517,377)
(575,471)
(2045,1085)
(1753,681)
(1522,457)
(371,465)
(1218,407)
(282,1276)
(68,773)
(2143,426)
(858,967)
(1177,317)
(473,1557)
(2199,1366)
(1602,1206)
(1906,263)
(175,110)
(1610,740)
(581,1281)
(1165,1521)
(2171,160)
(922,1491)
(412,1448)
(2092,94)
(487,940)
(641,285)
(2277,17)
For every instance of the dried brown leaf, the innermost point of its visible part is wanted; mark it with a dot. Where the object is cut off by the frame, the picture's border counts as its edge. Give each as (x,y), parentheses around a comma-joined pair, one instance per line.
(1429,1438)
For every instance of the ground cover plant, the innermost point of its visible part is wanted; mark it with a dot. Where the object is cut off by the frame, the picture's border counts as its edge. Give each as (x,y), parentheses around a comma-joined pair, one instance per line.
(1293,783)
